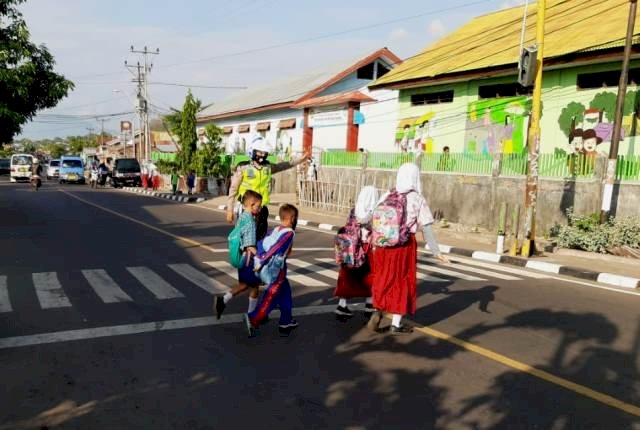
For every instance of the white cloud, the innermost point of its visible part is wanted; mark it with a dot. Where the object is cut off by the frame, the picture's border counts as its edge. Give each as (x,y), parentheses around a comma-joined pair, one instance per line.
(437,28)
(398,34)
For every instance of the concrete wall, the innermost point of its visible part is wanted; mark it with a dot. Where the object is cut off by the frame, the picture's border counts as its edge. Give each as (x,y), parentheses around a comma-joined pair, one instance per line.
(476,200)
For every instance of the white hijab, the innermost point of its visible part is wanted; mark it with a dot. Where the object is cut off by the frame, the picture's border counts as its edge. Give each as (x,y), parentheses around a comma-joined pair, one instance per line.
(408,179)
(366,203)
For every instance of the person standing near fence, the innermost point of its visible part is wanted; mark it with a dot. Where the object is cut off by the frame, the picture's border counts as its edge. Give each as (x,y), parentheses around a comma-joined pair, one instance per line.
(394,283)
(174,182)
(256,176)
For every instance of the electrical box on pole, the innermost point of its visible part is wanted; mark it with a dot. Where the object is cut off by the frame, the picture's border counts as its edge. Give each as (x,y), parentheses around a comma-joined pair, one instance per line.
(527,66)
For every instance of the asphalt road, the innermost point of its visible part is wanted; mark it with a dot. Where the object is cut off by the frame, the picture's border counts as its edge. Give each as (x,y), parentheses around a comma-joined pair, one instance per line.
(106,323)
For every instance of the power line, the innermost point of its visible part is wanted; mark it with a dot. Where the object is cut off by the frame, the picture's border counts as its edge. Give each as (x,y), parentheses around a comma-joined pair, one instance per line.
(216,87)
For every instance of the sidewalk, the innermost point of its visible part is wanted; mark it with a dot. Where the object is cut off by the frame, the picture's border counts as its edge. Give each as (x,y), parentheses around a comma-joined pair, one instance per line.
(481,244)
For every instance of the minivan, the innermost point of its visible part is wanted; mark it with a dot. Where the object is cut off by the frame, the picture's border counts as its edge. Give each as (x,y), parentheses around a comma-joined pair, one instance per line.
(71,170)
(126,171)
(53,170)
(21,165)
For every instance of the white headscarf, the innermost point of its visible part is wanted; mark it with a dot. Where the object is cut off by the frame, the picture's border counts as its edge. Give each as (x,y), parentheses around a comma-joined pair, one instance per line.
(366,203)
(408,179)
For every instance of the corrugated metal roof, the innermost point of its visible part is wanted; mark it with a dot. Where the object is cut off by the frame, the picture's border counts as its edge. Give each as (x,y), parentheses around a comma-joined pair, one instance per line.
(494,39)
(283,91)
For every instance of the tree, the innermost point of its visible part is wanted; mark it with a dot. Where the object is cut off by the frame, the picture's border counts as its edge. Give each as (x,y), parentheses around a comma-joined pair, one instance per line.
(572,114)
(78,143)
(605,101)
(210,159)
(183,124)
(55,150)
(27,80)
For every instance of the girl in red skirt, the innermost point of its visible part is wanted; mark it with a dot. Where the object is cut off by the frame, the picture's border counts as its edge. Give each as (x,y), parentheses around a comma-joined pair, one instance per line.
(394,284)
(356,282)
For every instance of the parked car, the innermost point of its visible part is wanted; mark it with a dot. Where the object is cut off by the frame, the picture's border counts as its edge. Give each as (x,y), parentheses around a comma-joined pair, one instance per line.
(126,171)
(5,166)
(21,165)
(71,170)
(53,169)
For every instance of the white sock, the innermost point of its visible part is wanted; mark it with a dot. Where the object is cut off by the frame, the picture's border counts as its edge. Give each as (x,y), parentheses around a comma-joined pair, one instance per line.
(252,304)
(342,303)
(227,296)
(369,300)
(395,320)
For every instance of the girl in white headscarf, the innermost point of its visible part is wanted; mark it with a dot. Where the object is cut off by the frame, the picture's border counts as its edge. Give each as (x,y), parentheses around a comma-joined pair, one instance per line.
(394,284)
(356,282)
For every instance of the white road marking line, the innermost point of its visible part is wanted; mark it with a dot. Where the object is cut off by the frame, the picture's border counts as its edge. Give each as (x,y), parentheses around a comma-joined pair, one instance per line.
(149,327)
(224,267)
(5,303)
(154,283)
(49,291)
(476,270)
(210,285)
(452,273)
(502,267)
(313,267)
(419,275)
(105,287)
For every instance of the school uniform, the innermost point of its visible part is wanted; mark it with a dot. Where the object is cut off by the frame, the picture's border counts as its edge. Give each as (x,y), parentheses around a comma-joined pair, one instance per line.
(246,274)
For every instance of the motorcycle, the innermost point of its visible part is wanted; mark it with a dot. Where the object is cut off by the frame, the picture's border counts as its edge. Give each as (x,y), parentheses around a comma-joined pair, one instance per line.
(36,182)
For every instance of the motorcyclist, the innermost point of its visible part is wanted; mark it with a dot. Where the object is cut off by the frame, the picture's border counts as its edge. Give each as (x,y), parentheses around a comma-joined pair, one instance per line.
(36,171)
(256,175)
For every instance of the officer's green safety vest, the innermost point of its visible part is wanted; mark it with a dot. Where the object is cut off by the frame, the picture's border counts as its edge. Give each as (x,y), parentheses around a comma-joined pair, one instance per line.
(258,180)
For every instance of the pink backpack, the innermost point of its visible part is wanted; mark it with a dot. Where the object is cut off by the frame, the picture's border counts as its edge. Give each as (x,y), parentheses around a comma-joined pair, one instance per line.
(349,249)
(389,221)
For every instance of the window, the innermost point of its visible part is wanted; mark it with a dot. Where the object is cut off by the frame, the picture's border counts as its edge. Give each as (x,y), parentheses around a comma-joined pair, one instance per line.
(503,90)
(382,70)
(366,72)
(72,163)
(432,98)
(54,163)
(243,128)
(606,79)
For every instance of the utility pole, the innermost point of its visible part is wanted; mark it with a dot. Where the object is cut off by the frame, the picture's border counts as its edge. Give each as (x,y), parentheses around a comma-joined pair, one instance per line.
(143,97)
(607,194)
(533,140)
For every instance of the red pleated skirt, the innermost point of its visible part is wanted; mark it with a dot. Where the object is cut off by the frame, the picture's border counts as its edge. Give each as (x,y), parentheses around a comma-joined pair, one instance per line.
(356,282)
(394,284)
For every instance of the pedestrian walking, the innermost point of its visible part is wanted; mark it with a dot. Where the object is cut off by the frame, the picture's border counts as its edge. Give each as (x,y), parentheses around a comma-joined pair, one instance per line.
(191,181)
(402,212)
(355,253)
(256,175)
(271,262)
(175,178)
(155,179)
(242,247)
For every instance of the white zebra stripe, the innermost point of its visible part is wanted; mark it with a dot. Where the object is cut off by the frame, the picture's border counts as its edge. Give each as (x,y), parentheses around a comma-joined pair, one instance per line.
(105,287)
(210,285)
(478,271)
(154,283)
(49,291)
(452,273)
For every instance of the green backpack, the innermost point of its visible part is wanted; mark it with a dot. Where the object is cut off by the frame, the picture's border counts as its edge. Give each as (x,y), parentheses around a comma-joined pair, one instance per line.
(234,240)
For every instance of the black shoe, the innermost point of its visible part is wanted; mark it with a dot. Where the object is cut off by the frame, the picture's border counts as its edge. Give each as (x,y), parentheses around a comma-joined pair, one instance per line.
(343,311)
(403,329)
(374,321)
(220,306)
(251,330)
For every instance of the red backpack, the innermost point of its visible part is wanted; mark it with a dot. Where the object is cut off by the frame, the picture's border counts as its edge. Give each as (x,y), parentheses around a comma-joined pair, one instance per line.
(349,248)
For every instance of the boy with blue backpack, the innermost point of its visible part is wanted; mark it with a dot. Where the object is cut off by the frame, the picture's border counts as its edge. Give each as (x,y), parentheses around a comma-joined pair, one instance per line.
(242,247)
(271,264)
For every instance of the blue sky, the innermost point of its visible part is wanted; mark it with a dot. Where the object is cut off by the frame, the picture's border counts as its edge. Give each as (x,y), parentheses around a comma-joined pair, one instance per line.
(91,40)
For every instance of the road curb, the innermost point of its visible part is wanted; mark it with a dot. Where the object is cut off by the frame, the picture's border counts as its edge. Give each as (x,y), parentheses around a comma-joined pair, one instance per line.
(167,196)
(544,266)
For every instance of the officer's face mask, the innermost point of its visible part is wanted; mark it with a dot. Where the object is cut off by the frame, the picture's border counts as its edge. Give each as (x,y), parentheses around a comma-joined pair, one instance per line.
(260,157)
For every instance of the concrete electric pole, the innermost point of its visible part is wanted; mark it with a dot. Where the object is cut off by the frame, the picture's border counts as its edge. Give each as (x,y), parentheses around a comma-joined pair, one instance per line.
(607,194)
(533,140)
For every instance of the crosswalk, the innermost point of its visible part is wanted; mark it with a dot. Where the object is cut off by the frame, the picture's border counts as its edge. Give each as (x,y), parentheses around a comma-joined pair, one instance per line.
(314,272)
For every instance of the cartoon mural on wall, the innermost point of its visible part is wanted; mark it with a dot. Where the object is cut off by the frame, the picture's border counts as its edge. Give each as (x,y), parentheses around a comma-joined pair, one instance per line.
(416,134)
(586,128)
(497,125)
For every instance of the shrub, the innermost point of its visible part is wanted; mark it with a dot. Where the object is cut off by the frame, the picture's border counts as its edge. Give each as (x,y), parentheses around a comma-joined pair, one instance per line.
(586,233)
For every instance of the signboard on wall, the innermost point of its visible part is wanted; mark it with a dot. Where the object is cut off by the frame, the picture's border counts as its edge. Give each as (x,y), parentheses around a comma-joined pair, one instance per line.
(328,118)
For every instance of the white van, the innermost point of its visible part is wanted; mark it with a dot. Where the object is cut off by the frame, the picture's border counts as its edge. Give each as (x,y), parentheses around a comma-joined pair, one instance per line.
(21,167)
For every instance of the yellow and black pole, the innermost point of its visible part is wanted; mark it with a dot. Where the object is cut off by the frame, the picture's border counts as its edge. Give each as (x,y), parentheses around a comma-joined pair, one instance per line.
(533,140)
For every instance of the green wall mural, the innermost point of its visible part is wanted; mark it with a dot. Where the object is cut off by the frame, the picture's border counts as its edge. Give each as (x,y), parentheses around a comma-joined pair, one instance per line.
(497,125)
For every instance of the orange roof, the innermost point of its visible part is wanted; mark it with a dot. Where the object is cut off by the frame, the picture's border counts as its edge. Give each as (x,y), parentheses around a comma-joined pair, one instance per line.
(333,99)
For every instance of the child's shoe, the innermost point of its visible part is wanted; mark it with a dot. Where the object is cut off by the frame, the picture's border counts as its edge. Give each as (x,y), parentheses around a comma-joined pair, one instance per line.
(220,306)
(343,311)
(251,330)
